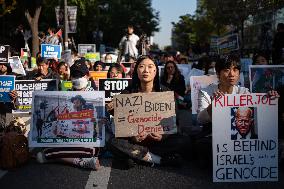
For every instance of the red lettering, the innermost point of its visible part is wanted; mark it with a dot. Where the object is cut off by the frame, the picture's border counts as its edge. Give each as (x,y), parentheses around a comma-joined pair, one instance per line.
(249,100)
(129,118)
(271,100)
(259,98)
(242,100)
(140,129)
(217,100)
(235,102)
(229,101)
(265,99)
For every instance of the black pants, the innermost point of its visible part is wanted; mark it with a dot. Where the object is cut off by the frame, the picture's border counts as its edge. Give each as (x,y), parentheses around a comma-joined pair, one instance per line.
(126,148)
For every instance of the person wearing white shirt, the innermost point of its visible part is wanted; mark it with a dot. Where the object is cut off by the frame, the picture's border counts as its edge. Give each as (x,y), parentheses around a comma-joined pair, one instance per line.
(128,43)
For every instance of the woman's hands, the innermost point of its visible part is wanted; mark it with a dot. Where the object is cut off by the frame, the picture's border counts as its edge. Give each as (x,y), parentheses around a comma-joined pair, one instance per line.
(154,136)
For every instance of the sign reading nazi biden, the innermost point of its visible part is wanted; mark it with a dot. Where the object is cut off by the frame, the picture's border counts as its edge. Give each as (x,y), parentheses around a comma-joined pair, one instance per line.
(245,138)
(50,51)
(113,87)
(139,113)
(25,90)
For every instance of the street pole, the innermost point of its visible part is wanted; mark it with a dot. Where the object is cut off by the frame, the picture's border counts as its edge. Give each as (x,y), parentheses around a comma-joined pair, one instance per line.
(65,25)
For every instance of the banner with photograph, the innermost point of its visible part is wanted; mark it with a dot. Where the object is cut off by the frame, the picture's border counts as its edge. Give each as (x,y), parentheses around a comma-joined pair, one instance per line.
(25,90)
(264,78)
(245,138)
(67,118)
(138,113)
(113,87)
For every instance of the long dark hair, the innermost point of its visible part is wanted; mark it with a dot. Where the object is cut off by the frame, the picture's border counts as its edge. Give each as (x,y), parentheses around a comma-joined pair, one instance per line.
(118,67)
(177,73)
(136,83)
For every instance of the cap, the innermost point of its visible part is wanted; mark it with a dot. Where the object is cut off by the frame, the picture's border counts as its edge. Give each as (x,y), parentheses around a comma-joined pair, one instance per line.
(79,69)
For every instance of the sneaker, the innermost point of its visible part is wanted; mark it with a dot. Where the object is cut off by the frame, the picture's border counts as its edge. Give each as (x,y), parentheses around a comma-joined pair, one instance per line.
(40,157)
(89,163)
(171,160)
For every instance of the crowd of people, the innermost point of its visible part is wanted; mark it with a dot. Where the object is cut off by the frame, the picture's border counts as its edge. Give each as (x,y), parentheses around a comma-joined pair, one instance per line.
(149,148)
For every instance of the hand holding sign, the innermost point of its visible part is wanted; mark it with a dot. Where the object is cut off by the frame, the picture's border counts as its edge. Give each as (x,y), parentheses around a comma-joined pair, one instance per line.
(13,94)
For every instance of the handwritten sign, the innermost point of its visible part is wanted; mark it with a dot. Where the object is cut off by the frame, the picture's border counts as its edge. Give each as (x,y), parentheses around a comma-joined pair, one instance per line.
(245,138)
(7,84)
(86,48)
(144,113)
(113,87)
(67,118)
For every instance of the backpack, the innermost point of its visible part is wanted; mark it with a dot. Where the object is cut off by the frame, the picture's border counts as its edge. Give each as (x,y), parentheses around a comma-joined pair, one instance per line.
(14,150)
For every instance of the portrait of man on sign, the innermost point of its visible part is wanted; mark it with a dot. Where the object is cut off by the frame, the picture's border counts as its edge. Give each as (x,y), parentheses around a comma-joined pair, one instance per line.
(243,123)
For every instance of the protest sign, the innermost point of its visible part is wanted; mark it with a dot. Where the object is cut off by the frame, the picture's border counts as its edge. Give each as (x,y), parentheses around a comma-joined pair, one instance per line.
(7,84)
(67,118)
(93,57)
(86,48)
(50,51)
(196,84)
(67,57)
(22,120)
(228,44)
(71,16)
(264,78)
(138,113)
(245,138)
(33,62)
(4,53)
(113,87)
(25,90)
(66,85)
(16,65)
(96,75)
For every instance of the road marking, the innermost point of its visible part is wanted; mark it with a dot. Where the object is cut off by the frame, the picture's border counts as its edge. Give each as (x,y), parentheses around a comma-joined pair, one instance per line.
(99,179)
(2,173)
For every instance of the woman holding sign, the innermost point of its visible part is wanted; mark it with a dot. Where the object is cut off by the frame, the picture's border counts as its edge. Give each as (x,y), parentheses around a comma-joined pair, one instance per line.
(152,148)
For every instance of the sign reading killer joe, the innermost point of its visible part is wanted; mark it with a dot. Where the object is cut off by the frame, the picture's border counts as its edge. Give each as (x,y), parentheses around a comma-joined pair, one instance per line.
(25,90)
(113,87)
(138,113)
(245,138)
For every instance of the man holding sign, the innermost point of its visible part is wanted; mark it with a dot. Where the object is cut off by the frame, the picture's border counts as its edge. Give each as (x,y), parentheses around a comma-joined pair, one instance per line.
(148,144)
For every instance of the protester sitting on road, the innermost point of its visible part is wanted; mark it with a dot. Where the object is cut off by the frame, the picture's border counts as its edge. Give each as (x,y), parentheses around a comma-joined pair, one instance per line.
(79,156)
(5,69)
(116,71)
(152,148)
(173,79)
(108,58)
(228,72)
(43,71)
(79,73)
(63,71)
(99,66)
(260,58)
(89,65)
